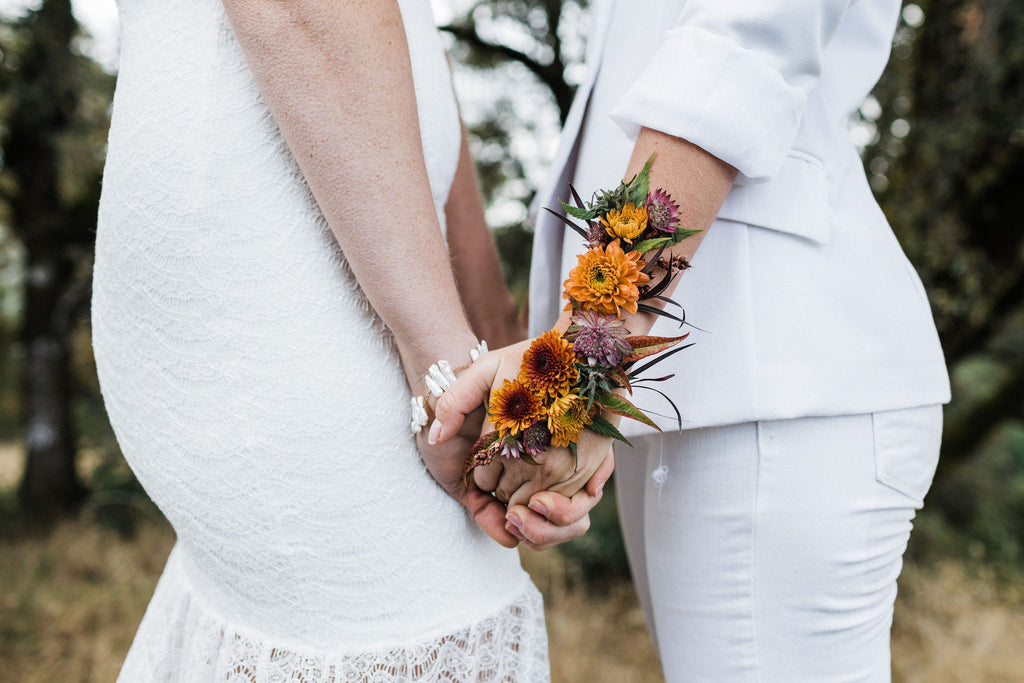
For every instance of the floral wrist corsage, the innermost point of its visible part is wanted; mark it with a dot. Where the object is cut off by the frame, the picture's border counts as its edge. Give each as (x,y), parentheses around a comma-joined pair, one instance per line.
(568,379)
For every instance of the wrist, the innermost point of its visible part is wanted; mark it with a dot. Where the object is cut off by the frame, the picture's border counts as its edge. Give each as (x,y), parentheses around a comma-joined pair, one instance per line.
(500,325)
(457,350)
(637,323)
(641,323)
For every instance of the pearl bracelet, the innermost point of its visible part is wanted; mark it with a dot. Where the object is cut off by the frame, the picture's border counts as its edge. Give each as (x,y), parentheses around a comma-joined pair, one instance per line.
(438,379)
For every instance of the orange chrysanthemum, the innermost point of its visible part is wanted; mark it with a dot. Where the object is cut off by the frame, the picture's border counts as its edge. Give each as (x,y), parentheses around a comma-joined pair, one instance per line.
(549,365)
(567,417)
(605,280)
(627,222)
(514,407)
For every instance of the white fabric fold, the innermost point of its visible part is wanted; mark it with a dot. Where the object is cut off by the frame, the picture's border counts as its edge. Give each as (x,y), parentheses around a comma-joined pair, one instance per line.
(718,95)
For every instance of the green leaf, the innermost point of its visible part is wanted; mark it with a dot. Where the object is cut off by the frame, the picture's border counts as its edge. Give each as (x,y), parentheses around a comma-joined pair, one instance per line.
(614,403)
(681,234)
(606,201)
(603,427)
(574,449)
(619,376)
(577,212)
(640,185)
(648,346)
(650,245)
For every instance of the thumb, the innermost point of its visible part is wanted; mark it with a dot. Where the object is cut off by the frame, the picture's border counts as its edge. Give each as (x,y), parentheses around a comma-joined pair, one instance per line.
(466,394)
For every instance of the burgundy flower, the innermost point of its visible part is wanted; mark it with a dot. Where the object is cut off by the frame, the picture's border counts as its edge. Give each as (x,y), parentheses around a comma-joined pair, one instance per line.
(511,447)
(662,212)
(536,439)
(600,339)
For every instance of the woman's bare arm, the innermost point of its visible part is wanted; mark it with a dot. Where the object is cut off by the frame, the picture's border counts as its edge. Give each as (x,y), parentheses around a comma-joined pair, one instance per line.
(338,82)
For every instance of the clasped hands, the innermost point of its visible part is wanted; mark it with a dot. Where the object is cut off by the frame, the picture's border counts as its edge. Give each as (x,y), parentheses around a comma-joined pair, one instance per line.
(513,501)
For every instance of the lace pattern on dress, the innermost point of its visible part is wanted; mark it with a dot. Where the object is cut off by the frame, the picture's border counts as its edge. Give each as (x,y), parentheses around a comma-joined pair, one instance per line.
(181,641)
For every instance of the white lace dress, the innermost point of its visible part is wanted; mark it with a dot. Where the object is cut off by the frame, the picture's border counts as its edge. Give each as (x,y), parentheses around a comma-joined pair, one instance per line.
(261,403)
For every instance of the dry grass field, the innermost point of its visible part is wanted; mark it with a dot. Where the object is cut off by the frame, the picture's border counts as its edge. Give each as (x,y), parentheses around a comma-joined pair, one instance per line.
(70,600)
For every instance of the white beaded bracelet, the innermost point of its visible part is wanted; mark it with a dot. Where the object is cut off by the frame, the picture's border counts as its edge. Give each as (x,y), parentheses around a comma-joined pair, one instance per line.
(438,379)
(479,350)
(419,414)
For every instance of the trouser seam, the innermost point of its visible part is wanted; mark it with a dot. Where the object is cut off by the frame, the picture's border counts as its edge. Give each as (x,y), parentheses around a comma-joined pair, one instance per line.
(753,556)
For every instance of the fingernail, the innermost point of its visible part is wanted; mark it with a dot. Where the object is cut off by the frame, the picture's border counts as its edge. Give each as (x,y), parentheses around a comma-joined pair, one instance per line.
(515,532)
(435,432)
(514,520)
(601,487)
(539,508)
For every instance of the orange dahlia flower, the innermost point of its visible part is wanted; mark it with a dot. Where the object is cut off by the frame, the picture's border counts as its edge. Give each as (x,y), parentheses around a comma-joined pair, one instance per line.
(606,279)
(627,222)
(567,417)
(514,407)
(549,365)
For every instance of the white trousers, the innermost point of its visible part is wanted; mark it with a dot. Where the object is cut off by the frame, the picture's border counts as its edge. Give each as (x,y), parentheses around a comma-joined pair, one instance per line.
(769,551)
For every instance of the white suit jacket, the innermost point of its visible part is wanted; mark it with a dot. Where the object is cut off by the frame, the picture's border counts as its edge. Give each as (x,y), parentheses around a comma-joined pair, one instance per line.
(804,301)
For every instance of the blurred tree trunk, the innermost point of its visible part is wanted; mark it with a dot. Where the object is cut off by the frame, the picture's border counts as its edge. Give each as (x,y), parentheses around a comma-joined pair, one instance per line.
(44,93)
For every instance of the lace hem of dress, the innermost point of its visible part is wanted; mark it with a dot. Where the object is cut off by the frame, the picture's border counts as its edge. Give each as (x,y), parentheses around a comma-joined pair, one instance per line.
(180,641)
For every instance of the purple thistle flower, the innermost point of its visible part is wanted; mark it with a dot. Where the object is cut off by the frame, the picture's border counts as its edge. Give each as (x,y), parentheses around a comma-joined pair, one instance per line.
(596,234)
(536,438)
(511,447)
(662,212)
(600,339)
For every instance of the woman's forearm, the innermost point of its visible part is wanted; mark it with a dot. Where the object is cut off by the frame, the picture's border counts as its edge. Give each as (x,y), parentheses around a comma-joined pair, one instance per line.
(697,181)
(338,81)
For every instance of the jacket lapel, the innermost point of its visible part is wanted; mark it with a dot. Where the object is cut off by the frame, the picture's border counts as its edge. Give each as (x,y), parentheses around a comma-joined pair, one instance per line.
(546,261)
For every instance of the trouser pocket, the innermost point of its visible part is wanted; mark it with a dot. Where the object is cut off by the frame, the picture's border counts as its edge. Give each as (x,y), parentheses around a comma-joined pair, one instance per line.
(907,449)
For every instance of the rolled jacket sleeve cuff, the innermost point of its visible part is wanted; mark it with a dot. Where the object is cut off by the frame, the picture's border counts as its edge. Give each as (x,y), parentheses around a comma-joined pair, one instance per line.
(718,95)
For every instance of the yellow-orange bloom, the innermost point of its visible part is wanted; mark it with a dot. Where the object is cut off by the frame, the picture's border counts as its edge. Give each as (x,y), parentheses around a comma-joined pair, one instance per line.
(514,407)
(567,416)
(627,222)
(605,280)
(549,365)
